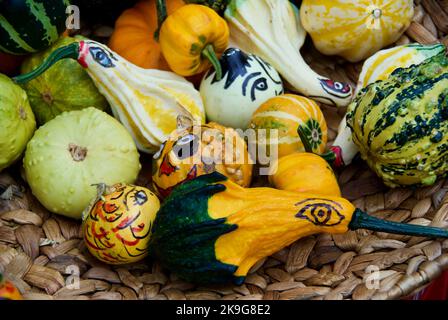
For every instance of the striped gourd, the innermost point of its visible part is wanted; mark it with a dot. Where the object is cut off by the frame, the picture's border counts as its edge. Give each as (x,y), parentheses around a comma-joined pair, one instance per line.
(286,113)
(400,125)
(379,67)
(355,29)
(31,25)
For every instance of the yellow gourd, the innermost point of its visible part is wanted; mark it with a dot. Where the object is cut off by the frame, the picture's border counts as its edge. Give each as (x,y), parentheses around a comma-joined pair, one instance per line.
(193,151)
(355,29)
(192,37)
(306,173)
(211,230)
(117,225)
(286,113)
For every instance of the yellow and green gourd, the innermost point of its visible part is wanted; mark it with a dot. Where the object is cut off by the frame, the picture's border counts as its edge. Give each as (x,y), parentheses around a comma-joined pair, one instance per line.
(146,101)
(400,125)
(211,230)
(286,113)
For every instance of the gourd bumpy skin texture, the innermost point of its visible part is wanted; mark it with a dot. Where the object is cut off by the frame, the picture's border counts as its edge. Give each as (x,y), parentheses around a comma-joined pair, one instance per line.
(64,87)
(400,125)
(72,152)
(210,230)
(17,122)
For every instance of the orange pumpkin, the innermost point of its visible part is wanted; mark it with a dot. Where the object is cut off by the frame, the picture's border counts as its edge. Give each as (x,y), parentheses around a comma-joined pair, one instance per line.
(133,37)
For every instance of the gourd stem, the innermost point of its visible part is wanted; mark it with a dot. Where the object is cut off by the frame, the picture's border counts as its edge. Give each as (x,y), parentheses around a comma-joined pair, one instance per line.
(330,156)
(362,220)
(209,53)
(69,51)
(161,16)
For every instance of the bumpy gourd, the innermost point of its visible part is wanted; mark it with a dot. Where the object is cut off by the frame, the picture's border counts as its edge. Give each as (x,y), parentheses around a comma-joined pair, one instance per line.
(379,67)
(210,230)
(400,124)
(355,29)
(193,151)
(272,30)
(304,172)
(147,102)
(17,122)
(247,81)
(286,113)
(117,225)
(74,151)
(65,87)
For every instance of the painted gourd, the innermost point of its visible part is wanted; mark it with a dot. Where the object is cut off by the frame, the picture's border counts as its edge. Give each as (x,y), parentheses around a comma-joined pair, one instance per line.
(31,25)
(355,29)
(146,101)
(379,67)
(74,151)
(247,81)
(306,173)
(197,150)
(221,234)
(400,125)
(286,113)
(8,291)
(133,36)
(272,30)
(192,38)
(117,225)
(17,122)
(64,87)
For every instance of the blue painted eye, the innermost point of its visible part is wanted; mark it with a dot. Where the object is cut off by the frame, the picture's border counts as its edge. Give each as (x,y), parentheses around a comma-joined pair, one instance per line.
(101,56)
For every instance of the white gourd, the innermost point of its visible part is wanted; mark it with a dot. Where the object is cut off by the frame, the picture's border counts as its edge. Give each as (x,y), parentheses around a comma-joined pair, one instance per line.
(272,30)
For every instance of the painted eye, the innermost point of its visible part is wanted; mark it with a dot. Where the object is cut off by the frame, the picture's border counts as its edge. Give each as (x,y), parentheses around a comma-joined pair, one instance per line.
(140,198)
(338,86)
(186,147)
(320,212)
(159,153)
(100,56)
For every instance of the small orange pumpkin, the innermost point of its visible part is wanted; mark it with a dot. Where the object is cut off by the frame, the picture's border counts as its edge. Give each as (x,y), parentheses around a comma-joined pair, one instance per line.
(134,39)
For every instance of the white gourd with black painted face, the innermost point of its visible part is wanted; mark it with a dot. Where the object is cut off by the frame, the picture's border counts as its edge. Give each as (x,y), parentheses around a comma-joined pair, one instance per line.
(247,82)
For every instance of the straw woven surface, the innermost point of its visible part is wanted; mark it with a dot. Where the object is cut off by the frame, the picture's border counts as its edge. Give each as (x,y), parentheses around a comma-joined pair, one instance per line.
(38,250)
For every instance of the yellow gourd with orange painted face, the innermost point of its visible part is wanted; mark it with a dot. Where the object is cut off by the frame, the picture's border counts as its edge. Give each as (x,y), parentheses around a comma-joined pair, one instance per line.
(197,150)
(117,226)
(192,37)
(306,173)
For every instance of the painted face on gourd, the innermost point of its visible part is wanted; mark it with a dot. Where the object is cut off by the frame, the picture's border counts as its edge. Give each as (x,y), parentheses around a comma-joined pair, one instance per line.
(247,81)
(199,150)
(118,226)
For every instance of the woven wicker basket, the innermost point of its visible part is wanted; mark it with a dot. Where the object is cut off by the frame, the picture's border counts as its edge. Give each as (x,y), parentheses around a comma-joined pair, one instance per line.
(39,252)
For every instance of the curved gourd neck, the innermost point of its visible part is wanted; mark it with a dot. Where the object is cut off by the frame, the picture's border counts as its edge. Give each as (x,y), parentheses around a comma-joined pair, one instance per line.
(69,51)
(361,220)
